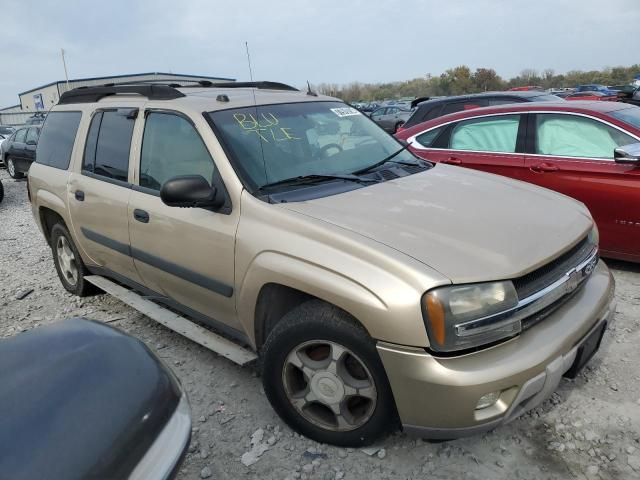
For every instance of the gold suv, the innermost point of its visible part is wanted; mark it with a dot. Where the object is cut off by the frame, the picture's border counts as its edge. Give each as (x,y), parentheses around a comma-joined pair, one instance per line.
(380,290)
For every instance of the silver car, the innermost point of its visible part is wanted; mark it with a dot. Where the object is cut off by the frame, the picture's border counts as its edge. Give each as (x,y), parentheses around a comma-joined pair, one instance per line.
(391,118)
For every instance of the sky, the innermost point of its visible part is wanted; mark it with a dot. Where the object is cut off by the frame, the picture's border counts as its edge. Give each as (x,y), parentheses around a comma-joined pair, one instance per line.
(331,41)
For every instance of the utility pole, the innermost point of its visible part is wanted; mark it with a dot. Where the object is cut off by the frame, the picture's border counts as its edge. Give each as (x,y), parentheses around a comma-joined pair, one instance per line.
(64,64)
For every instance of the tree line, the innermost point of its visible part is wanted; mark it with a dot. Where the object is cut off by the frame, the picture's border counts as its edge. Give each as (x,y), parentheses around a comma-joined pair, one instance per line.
(461,80)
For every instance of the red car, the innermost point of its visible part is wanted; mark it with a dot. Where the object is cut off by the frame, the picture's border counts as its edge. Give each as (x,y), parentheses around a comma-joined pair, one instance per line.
(597,96)
(567,147)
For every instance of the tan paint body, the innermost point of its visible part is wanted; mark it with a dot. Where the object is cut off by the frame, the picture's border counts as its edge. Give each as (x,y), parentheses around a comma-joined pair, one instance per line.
(373,252)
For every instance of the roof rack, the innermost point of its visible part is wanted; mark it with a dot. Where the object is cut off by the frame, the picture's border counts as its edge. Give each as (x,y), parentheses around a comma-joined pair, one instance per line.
(157,91)
(93,94)
(262,85)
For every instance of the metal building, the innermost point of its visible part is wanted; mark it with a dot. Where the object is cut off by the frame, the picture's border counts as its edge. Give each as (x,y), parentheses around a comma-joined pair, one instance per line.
(44,97)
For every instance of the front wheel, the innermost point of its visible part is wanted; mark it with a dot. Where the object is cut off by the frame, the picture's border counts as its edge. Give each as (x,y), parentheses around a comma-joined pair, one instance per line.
(11,168)
(323,376)
(397,127)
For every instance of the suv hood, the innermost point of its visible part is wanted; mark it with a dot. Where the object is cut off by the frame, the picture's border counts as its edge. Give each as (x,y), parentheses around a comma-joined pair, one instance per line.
(468,225)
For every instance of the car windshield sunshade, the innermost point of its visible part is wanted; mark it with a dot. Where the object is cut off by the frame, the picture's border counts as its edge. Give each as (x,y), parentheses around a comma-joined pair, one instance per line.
(574,136)
(487,135)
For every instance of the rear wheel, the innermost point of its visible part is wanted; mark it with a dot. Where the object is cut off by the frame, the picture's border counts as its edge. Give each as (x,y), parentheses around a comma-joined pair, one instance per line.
(323,375)
(71,270)
(1,191)
(397,126)
(11,168)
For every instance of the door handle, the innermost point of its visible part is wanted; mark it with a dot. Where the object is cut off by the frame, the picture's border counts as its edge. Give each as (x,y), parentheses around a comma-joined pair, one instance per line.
(141,215)
(79,195)
(544,167)
(452,161)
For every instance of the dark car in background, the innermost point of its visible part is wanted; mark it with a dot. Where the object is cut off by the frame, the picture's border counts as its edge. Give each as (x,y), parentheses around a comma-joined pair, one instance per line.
(83,400)
(428,109)
(19,150)
(594,87)
(391,118)
(629,94)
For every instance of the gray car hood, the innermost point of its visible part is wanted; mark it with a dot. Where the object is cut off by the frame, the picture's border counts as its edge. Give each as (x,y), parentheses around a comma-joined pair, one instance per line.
(468,225)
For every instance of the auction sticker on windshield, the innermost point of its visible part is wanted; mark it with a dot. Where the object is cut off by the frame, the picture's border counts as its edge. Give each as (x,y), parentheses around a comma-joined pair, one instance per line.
(345,111)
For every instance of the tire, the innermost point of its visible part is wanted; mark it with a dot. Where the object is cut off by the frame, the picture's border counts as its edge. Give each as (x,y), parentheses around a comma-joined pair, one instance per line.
(397,126)
(313,334)
(11,168)
(1,191)
(61,241)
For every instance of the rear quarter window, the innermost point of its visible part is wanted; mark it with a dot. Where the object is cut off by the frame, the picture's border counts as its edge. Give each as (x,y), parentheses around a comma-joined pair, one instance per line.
(57,138)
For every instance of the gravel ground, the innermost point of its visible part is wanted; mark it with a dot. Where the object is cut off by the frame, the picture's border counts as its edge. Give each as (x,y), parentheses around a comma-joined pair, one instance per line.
(588,429)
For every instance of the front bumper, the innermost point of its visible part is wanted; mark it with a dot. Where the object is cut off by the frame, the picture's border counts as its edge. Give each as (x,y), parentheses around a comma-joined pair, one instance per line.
(162,460)
(436,397)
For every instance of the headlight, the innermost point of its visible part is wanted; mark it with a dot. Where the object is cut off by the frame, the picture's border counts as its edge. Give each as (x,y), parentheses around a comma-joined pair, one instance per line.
(467,316)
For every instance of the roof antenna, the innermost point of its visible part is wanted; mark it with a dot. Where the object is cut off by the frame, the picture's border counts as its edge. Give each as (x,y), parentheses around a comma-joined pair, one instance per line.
(309,91)
(246,46)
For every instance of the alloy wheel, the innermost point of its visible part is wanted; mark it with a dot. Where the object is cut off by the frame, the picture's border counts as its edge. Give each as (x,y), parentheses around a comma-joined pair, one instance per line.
(11,167)
(67,260)
(329,385)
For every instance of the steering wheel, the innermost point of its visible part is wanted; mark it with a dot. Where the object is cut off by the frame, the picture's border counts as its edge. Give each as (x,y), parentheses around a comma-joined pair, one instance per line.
(323,150)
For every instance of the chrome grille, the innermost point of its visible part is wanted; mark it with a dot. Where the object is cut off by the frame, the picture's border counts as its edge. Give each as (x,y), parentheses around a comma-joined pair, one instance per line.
(547,274)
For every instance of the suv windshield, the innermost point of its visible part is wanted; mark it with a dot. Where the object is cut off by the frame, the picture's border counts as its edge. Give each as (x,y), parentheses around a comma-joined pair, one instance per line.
(271,143)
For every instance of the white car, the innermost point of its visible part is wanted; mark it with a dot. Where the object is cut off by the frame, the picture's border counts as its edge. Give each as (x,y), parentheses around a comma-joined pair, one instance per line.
(5,132)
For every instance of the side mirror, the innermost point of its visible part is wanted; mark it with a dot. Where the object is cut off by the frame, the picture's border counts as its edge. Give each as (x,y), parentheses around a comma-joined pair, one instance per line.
(627,154)
(190,191)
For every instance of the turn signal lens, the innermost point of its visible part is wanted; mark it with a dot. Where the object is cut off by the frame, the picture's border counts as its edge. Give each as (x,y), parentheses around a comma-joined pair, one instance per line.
(436,319)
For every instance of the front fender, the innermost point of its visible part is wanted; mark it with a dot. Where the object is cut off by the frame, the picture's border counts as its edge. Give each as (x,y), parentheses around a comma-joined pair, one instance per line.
(389,308)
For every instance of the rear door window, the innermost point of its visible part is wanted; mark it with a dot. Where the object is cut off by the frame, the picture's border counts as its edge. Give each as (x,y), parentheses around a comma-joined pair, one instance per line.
(32,135)
(464,105)
(486,134)
(109,142)
(576,136)
(57,138)
(504,100)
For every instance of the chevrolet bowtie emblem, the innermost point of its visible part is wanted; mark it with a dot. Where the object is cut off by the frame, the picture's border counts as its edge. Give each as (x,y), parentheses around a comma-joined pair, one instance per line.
(573,281)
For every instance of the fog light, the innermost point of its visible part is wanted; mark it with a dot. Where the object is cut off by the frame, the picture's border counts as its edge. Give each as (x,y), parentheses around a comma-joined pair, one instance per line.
(488,400)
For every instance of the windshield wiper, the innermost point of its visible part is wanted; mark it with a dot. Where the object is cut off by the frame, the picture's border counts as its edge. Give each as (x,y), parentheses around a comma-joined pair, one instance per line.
(305,179)
(385,160)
